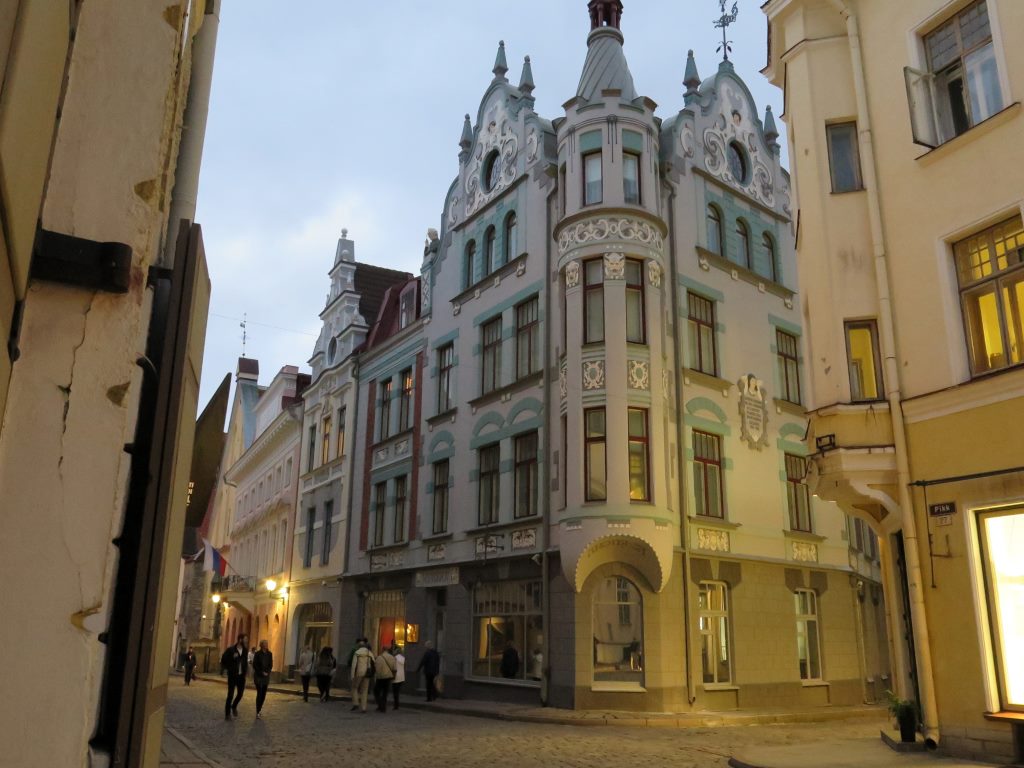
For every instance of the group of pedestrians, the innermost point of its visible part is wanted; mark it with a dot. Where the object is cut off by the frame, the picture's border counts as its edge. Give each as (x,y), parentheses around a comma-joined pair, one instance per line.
(385,673)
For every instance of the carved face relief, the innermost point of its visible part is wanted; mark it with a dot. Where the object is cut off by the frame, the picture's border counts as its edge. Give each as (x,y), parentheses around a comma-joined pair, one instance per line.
(614,266)
(654,274)
(572,274)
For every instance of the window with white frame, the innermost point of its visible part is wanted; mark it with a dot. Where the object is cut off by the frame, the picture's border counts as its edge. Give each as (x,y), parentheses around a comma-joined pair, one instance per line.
(385,409)
(405,401)
(864,361)
(592,183)
(808,641)
(960,86)
(445,363)
(631,177)
(713,623)
(593,301)
(636,325)
(844,157)
(527,338)
(990,271)
(714,230)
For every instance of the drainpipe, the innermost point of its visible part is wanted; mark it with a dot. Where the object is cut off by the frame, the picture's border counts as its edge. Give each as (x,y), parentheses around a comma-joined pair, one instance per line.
(691,689)
(193,127)
(918,614)
(545,535)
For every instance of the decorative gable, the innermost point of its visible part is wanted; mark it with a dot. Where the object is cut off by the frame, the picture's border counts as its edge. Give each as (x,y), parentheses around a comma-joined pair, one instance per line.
(493,163)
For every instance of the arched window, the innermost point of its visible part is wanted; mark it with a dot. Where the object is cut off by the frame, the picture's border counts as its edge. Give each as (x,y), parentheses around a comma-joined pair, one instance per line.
(470,259)
(714,230)
(490,255)
(743,243)
(770,255)
(618,631)
(511,237)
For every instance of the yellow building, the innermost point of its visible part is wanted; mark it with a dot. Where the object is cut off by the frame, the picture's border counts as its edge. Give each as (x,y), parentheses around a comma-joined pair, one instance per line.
(905,135)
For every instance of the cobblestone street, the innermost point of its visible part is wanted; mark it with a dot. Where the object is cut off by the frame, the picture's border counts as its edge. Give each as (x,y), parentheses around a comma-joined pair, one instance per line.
(294,733)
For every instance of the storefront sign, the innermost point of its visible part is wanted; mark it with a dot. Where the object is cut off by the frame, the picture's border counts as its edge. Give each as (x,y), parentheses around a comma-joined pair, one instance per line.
(437,577)
(943,508)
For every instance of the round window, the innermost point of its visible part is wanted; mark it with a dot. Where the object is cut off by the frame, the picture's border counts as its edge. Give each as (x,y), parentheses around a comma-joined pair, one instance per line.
(492,170)
(332,350)
(737,162)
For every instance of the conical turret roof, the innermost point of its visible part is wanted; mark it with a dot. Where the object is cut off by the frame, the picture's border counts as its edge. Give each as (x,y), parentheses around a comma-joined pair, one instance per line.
(605,67)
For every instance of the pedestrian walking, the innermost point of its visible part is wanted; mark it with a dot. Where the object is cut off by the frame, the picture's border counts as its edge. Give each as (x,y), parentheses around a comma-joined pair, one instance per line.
(396,684)
(325,665)
(385,667)
(430,666)
(307,668)
(362,673)
(262,665)
(190,665)
(235,661)
(252,654)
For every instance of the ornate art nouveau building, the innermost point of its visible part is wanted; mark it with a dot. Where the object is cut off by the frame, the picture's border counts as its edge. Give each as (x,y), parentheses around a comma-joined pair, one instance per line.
(595,495)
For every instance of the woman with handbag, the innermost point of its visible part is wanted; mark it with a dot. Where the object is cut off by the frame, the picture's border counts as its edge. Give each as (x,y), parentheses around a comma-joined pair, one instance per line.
(325,665)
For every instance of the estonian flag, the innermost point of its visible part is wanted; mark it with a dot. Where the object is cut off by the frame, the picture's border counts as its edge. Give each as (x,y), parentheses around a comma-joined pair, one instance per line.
(213,560)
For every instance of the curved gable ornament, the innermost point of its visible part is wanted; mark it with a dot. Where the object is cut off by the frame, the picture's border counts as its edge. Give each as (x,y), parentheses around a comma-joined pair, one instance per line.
(498,134)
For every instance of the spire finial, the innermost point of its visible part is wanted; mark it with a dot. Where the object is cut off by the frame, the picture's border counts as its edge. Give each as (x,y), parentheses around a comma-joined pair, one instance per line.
(526,79)
(344,233)
(605,13)
(500,63)
(691,79)
(771,133)
(724,22)
(467,135)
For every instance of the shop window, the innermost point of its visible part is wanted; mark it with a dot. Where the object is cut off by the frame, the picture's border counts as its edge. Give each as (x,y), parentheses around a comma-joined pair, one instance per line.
(844,157)
(865,364)
(961,85)
(508,630)
(808,642)
(990,271)
(639,455)
(490,484)
(526,475)
(701,328)
(527,338)
(714,225)
(1002,540)
(797,494)
(788,358)
(595,449)
(631,177)
(592,182)
(441,479)
(707,474)
(593,301)
(491,362)
(636,331)
(713,622)
(618,617)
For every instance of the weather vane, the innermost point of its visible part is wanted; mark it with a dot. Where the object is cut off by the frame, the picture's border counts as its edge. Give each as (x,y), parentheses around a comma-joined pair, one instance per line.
(724,22)
(243,325)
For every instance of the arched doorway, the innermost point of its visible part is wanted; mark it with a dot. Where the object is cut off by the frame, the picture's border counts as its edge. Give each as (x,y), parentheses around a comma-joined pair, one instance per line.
(315,624)
(617,611)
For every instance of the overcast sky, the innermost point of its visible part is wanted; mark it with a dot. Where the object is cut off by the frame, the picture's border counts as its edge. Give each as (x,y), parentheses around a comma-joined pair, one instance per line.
(334,113)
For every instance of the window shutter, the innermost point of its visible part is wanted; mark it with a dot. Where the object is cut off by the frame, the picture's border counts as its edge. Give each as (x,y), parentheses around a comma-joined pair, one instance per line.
(921,100)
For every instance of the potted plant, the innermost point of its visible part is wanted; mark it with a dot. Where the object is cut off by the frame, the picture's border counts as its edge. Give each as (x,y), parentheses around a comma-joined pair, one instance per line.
(905,712)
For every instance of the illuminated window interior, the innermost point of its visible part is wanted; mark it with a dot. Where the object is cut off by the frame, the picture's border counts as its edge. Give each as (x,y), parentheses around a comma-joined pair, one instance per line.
(1003,540)
(862,349)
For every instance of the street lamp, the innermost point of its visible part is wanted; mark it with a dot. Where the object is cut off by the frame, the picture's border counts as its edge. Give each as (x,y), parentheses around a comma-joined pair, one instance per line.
(215,599)
(271,585)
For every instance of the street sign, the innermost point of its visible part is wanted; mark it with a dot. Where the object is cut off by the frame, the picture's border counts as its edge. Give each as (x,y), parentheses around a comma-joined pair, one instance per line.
(943,508)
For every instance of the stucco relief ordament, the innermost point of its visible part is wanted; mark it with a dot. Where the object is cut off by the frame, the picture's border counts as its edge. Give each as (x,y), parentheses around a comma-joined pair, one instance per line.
(614,266)
(654,274)
(593,374)
(572,274)
(735,124)
(621,228)
(498,134)
(639,374)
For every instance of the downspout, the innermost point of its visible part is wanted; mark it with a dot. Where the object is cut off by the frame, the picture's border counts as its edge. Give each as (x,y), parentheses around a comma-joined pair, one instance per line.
(918,613)
(691,689)
(545,536)
(351,484)
(193,126)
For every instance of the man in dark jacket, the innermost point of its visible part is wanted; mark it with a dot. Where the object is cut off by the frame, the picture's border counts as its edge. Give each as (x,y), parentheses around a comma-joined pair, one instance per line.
(430,665)
(235,661)
(262,664)
(190,665)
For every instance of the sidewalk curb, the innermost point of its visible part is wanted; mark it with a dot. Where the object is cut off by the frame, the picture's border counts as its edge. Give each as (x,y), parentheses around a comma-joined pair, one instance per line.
(683,720)
(196,752)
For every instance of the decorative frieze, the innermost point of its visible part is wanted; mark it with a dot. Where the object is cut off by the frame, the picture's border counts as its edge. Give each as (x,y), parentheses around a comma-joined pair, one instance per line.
(805,551)
(524,539)
(593,374)
(712,540)
(385,560)
(619,228)
(639,374)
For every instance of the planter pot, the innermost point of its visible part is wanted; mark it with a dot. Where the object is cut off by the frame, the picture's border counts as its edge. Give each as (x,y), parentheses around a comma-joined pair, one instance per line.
(908,726)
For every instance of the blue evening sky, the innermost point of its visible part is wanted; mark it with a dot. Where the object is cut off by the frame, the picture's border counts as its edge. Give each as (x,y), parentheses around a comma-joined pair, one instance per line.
(334,113)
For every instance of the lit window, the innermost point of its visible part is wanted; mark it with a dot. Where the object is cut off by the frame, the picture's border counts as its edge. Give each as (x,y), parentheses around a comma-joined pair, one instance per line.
(788,357)
(511,237)
(526,475)
(491,369)
(401,508)
(440,522)
(385,409)
(445,363)
(631,177)
(636,331)
(405,401)
(508,630)
(325,447)
(715,237)
(701,325)
(527,338)
(808,644)
(844,157)
(596,466)
(990,269)
(592,187)
(593,300)
(1002,540)
(707,474)
(639,456)
(797,494)
(865,368)
(713,621)
(961,87)
(379,509)
(490,484)
(618,631)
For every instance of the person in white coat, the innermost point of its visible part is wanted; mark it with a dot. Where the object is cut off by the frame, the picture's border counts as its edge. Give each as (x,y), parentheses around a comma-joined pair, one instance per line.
(396,684)
(307,668)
